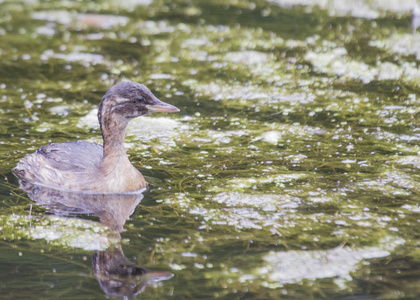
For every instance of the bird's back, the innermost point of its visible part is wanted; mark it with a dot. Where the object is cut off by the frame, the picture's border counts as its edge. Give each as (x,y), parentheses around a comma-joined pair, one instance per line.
(59,164)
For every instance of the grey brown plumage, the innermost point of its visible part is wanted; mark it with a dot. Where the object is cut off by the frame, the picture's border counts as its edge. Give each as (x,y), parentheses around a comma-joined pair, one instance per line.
(85,166)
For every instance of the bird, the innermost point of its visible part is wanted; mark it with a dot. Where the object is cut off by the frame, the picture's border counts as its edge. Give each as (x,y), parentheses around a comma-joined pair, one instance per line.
(90,167)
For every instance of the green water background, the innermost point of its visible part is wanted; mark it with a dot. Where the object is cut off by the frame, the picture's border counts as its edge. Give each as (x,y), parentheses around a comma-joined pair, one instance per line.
(291,172)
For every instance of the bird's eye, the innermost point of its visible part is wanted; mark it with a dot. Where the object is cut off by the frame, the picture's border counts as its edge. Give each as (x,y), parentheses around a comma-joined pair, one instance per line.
(140,99)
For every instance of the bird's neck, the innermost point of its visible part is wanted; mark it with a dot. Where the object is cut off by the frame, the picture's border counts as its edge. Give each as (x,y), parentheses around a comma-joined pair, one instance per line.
(113,134)
(120,175)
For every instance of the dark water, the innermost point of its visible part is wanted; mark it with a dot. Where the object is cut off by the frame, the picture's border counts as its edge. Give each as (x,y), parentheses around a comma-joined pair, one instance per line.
(291,171)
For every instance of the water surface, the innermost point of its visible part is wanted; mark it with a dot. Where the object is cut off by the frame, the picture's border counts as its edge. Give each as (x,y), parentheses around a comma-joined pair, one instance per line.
(291,171)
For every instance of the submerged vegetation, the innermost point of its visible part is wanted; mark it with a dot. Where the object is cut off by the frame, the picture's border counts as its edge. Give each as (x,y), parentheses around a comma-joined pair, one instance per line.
(291,171)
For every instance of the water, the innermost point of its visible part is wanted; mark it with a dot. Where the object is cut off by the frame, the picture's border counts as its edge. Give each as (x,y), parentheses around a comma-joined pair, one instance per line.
(291,171)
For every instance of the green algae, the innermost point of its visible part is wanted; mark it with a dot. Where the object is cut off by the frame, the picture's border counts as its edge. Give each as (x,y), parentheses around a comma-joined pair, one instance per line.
(64,232)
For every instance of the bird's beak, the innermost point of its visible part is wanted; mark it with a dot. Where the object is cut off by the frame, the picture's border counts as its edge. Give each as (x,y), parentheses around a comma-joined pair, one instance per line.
(160,106)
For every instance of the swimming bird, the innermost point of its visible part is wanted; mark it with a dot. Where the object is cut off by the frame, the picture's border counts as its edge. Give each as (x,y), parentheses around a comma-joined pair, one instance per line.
(90,167)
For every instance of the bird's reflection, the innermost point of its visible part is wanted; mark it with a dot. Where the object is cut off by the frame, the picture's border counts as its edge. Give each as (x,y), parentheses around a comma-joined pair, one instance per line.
(116,275)
(120,277)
